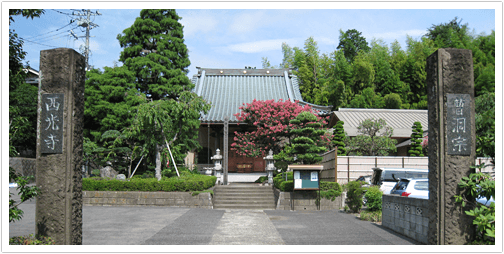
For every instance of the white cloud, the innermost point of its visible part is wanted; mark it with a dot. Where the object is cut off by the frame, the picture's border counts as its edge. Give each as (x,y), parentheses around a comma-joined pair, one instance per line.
(200,22)
(259,46)
(248,21)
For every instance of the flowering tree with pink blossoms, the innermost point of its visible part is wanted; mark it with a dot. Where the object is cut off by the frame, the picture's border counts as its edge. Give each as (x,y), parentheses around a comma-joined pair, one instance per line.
(271,122)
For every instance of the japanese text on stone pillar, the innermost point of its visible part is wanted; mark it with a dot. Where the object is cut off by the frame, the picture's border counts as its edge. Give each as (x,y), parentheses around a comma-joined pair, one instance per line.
(51,130)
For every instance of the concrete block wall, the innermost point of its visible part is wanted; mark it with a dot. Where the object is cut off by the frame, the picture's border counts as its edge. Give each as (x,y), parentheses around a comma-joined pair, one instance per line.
(139,198)
(305,200)
(406,216)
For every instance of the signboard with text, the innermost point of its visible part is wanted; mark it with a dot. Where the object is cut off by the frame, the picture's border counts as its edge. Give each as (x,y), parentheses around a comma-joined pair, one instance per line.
(459,124)
(51,126)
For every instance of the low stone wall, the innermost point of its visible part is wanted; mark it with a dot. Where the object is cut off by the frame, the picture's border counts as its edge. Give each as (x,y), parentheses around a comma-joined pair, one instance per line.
(407,216)
(139,198)
(305,200)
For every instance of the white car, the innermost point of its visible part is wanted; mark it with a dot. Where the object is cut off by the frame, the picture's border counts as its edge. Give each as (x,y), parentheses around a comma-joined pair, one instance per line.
(410,187)
(387,178)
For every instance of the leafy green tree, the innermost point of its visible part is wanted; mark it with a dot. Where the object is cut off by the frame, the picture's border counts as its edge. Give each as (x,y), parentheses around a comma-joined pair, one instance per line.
(392,101)
(363,73)
(309,71)
(266,64)
(414,74)
(485,125)
(352,42)
(22,96)
(306,145)
(110,99)
(416,140)
(339,138)
(374,140)
(288,56)
(154,50)
(449,35)
(367,99)
(386,79)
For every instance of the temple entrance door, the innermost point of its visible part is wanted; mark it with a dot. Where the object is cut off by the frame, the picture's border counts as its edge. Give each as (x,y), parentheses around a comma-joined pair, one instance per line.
(243,164)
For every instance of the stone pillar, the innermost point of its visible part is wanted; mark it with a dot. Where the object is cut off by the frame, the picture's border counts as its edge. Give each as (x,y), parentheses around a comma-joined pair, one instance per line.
(452,141)
(60,145)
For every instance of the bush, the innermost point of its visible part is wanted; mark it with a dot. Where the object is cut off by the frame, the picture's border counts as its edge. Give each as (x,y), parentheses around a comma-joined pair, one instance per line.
(278,179)
(261,179)
(287,186)
(192,182)
(374,198)
(330,190)
(373,216)
(354,196)
(31,240)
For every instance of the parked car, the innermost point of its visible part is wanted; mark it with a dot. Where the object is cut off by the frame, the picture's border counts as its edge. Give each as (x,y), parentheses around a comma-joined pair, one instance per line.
(365,179)
(387,178)
(410,187)
(419,188)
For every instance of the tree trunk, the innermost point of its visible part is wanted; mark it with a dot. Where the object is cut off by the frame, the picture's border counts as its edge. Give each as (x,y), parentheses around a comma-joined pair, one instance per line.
(158,162)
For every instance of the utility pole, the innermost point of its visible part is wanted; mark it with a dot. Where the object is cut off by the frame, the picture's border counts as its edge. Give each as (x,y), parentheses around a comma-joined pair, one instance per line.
(84,20)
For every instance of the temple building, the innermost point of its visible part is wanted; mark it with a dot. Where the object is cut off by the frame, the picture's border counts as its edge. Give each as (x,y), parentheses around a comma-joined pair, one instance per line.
(229,89)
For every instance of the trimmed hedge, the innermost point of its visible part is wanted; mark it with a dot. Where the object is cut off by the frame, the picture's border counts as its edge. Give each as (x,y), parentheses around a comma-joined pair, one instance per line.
(184,183)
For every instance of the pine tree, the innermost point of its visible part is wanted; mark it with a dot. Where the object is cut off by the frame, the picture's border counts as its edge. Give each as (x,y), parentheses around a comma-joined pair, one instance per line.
(339,138)
(416,140)
(155,52)
(305,145)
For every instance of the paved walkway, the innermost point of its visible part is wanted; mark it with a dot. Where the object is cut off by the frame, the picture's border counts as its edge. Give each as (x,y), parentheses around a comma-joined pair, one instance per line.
(196,226)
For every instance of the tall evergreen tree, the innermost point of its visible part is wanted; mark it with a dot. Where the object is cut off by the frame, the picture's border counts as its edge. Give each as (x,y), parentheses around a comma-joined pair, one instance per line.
(339,138)
(416,140)
(351,42)
(306,146)
(154,50)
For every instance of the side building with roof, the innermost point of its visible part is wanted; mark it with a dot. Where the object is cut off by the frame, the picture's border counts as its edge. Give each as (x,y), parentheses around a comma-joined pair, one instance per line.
(401,121)
(227,90)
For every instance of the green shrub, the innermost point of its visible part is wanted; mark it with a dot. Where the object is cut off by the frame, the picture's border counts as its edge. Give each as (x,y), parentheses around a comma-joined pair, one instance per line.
(261,179)
(31,240)
(95,172)
(373,216)
(193,182)
(374,198)
(287,186)
(330,190)
(479,185)
(148,174)
(355,193)
(278,179)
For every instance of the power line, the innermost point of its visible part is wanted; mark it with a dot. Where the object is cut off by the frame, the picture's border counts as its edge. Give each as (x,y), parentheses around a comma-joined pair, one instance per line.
(31,37)
(38,43)
(68,14)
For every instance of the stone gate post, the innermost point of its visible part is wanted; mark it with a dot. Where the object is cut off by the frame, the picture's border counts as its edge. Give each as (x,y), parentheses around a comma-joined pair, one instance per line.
(60,145)
(452,141)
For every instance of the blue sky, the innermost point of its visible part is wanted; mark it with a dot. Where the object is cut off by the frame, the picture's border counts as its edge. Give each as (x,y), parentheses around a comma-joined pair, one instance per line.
(220,35)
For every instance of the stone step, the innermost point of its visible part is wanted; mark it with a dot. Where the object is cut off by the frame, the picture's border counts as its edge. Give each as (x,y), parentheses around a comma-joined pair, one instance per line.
(248,197)
(252,202)
(245,206)
(239,192)
(243,196)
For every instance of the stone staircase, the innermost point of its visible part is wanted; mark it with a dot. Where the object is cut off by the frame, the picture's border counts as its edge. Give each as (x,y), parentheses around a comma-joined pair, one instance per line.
(244,196)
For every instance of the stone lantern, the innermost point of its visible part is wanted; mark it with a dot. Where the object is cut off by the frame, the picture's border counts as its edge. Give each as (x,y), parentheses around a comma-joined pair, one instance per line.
(217,159)
(270,166)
